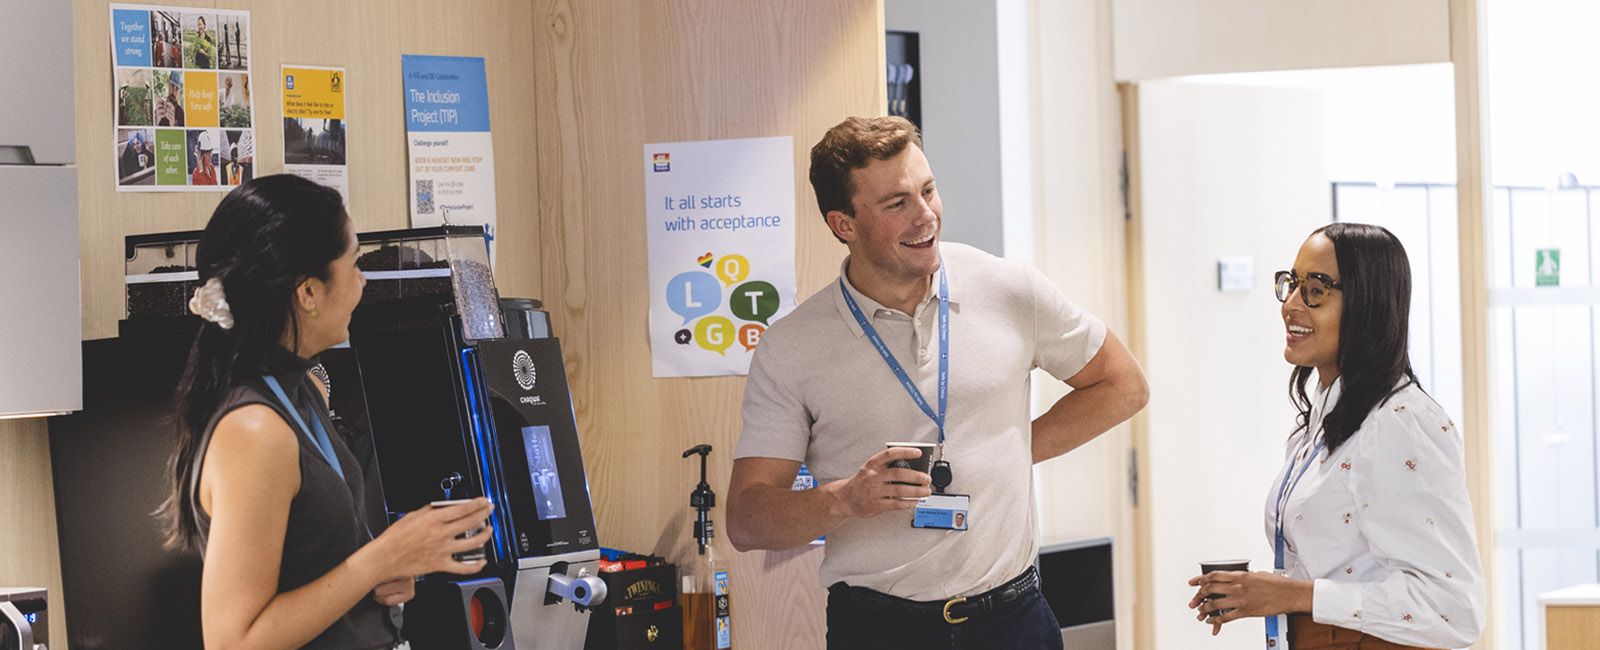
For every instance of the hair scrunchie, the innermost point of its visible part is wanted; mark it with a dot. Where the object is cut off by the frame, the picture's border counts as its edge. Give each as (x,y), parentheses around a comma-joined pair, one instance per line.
(210,303)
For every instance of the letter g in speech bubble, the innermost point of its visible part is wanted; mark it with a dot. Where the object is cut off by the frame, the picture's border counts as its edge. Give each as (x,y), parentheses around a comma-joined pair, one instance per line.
(714,333)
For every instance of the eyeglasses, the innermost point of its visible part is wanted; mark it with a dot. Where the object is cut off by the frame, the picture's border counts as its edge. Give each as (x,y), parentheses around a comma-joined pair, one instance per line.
(1313,288)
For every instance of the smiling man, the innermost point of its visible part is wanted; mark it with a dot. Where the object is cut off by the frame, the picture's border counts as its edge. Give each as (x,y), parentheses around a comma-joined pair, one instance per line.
(926,342)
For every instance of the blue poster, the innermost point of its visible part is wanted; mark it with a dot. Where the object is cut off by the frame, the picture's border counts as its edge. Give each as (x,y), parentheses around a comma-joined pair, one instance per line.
(449,142)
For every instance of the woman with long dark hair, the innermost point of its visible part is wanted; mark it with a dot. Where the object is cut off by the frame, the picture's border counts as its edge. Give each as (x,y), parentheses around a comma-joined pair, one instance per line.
(1369,519)
(273,503)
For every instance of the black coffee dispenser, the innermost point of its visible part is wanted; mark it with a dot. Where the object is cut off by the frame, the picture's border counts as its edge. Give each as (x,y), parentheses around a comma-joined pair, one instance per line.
(460,405)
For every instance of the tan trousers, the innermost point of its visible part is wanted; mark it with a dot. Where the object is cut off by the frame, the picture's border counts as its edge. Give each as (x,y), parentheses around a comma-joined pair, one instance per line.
(1306,634)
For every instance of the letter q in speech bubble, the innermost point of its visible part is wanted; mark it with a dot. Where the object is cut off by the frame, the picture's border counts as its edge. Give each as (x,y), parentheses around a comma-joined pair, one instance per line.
(732,268)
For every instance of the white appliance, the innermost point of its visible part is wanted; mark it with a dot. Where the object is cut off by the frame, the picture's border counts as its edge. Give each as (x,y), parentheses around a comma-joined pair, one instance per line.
(41,320)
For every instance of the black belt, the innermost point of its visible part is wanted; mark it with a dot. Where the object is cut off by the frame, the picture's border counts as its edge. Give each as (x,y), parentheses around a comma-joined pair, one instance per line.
(954,610)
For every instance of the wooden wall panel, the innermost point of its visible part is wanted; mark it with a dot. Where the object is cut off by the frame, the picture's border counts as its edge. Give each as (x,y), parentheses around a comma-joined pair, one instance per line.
(612,76)
(367,38)
(29,552)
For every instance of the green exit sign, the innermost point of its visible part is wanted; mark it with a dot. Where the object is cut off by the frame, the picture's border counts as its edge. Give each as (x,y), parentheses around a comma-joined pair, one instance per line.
(1547,267)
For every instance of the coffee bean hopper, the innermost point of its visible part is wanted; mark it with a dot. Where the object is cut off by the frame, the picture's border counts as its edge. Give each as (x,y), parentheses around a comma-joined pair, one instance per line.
(159,274)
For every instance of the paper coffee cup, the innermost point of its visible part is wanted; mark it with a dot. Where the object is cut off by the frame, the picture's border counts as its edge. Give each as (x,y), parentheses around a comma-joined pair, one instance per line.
(474,555)
(1223,565)
(921,463)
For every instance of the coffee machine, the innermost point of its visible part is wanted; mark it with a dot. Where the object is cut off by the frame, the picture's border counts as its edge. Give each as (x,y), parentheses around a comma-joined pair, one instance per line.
(24,624)
(466,395)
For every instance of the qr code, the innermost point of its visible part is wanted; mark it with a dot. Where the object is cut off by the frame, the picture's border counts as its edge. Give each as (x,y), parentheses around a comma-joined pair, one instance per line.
(425,197)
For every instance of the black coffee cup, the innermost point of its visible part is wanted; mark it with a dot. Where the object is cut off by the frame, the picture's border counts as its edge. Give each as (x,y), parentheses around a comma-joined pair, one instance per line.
(921,463)
(1223,565)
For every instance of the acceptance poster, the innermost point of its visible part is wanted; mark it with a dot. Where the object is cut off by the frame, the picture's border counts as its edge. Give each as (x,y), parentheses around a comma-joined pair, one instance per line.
(184,120)
(314,126)
(721,236)
(448,141)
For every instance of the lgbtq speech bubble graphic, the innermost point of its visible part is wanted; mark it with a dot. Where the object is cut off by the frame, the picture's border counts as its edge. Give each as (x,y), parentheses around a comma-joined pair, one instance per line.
(732,268)
(693,294)
(756,300)
(714,333)
(750,335)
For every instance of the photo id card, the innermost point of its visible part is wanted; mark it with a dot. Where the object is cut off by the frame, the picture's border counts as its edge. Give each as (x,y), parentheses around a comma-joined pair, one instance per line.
(947,511)
(1278,632)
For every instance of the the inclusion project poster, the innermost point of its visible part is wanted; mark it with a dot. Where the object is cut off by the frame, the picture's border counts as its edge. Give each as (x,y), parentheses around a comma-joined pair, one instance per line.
(314,126)
(449,142)
(721,236)
(183,117)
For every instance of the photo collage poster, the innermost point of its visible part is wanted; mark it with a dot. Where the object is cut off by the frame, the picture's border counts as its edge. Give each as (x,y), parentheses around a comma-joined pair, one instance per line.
(184,119)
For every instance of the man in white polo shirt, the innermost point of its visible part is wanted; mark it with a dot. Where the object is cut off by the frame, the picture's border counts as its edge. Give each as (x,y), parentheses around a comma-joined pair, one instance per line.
(861,363)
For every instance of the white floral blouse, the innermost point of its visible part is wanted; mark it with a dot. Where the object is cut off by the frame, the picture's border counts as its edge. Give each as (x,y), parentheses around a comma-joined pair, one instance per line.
(1383,524)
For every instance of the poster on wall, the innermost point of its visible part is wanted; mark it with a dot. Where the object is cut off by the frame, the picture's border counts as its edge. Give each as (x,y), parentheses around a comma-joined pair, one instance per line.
(448,142)
(183,118)
(314,126)
(721,239)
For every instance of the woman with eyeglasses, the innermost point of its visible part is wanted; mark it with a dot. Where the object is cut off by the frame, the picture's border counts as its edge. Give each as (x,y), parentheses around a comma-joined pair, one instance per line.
(1369,518)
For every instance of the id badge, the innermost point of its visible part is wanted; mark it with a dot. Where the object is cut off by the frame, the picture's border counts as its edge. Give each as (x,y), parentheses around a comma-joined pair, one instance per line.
(947,511)
(1278,632)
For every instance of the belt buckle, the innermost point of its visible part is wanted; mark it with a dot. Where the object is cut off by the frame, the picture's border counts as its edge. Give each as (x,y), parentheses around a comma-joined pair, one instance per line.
(952,603)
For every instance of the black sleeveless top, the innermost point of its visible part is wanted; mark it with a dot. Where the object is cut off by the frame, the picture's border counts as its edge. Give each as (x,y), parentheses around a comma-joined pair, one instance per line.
(326,521)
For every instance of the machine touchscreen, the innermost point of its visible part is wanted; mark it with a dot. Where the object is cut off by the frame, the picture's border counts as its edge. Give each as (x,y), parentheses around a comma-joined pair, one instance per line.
(543,472)
(536,441)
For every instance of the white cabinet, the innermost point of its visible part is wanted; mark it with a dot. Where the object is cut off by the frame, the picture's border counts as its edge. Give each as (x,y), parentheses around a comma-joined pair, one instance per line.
(41,322)
(36,107)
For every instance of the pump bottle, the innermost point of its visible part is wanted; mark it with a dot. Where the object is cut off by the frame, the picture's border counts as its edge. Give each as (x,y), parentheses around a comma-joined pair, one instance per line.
(704,580)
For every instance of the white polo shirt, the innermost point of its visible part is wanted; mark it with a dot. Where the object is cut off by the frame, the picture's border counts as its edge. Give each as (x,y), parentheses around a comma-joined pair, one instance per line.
(819,393)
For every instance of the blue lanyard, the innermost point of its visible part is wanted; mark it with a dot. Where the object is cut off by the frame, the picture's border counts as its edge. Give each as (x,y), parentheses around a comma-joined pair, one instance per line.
(899,372)
(1284,490)
(321,435)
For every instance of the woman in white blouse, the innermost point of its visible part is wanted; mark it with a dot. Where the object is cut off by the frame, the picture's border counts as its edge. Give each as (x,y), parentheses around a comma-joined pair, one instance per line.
(1369,518)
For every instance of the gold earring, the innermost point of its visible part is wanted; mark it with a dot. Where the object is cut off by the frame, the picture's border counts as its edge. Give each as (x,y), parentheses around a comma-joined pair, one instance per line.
(313,312)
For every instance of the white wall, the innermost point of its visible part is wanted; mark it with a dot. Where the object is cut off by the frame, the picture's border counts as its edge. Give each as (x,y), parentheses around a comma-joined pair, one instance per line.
(1169,38)
(1542,58)
(961,112)
(1080,241)
(1385,124)
(1080,244)
(1226,171)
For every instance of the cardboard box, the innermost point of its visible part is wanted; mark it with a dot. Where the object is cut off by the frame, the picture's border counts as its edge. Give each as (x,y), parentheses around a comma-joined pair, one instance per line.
(641,611)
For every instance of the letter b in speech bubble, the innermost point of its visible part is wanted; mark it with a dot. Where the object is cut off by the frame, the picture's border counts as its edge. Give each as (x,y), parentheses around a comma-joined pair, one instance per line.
(756,300)
(693,294)
(750,335)
(714,333)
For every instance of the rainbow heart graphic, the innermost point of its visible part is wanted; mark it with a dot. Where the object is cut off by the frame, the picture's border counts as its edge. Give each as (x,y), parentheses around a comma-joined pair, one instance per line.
(704,260)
